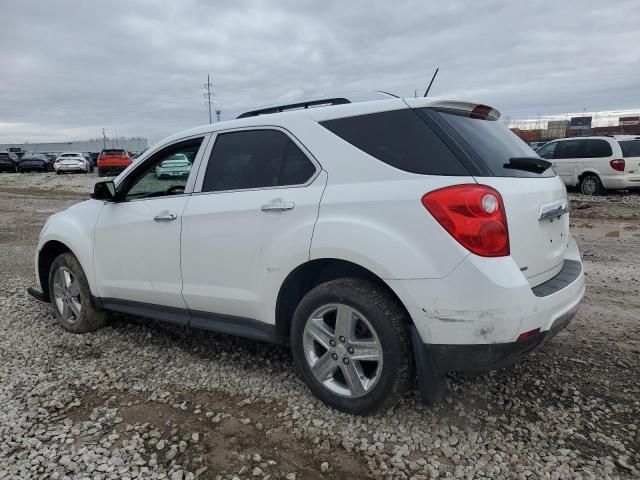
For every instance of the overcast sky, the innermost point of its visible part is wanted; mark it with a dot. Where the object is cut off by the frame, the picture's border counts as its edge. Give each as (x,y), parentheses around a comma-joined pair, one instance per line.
(70,68)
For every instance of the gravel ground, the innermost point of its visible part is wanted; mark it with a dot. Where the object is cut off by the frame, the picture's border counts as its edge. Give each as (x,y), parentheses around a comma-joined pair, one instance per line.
(140,399)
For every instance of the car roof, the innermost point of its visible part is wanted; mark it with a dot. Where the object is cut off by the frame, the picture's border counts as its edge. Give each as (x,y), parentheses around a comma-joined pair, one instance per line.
(383,103)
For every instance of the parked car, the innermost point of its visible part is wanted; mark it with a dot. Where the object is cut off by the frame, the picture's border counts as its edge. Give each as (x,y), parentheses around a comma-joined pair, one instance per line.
(34,162)
(113,161)
(364,235)
(89,160)
(176,166)
(595,164)
(8,162)
(69,162)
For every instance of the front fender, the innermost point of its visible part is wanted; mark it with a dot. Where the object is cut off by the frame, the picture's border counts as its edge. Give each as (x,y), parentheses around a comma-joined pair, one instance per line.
(74,228)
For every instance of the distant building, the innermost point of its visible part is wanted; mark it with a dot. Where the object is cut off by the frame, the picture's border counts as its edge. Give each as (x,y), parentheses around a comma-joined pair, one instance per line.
(628,121)
(134,145)
(556,129)
(579,126)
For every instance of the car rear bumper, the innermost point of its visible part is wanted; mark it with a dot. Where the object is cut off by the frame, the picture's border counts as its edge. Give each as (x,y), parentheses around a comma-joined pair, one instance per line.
(486,304)
(71,168)
(621,181)
(480,357)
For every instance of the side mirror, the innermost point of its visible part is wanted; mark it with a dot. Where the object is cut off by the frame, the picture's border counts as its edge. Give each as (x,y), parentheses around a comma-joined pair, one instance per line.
(104,191)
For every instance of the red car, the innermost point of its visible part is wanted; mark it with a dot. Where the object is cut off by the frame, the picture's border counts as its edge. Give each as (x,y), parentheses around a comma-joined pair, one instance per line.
(113,161)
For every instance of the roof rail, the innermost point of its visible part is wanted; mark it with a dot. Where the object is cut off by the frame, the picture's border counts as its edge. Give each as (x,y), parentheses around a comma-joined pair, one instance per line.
(295,106)
(336,99)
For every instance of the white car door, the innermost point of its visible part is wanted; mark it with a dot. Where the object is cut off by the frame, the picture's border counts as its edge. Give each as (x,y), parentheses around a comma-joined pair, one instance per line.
(137,240)
(250,224)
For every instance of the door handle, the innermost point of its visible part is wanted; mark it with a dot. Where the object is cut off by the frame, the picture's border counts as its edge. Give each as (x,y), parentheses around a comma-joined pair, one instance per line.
(277,205)
(165,217)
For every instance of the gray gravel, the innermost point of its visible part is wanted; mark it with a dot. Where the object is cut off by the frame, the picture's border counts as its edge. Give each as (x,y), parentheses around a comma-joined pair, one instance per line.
(140,399)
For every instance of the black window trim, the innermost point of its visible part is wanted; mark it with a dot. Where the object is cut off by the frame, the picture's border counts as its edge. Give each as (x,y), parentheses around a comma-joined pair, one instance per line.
(454,141)
(206,158)
(133,175)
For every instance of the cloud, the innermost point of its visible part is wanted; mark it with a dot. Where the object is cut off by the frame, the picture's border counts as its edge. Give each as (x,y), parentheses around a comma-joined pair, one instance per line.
(70,68)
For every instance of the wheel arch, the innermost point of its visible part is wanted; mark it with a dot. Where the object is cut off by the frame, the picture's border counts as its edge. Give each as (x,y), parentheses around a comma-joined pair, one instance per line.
(312,273)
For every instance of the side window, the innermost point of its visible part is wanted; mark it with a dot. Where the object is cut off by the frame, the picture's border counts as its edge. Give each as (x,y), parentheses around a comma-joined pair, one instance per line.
(165,173)
(398,138)
(547,150)
(255,159)
(599,148)
(568,149)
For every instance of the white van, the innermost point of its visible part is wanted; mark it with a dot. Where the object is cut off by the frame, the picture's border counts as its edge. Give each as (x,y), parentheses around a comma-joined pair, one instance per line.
(596,164)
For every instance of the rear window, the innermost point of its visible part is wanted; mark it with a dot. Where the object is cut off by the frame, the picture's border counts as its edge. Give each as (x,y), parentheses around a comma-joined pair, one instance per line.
(401,139)
(630,148)
(492,142)
(113,152)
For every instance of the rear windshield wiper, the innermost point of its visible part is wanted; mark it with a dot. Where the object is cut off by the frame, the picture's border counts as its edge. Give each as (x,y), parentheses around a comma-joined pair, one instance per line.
(529,164)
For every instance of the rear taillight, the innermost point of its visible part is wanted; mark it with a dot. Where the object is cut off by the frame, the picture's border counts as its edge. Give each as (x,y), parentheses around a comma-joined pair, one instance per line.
(474,215)
(617,164)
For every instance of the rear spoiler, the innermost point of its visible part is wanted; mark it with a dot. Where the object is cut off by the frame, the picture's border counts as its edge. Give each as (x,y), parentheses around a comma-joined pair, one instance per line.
(474,110)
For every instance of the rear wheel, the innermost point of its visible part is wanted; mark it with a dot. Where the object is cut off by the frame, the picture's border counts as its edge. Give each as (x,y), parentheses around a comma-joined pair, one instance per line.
(71,298)
(100,172)
(591,185)
(350,341)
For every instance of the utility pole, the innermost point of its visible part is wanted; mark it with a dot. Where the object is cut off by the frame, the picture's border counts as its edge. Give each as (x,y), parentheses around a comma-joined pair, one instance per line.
(104,140)
(208,95)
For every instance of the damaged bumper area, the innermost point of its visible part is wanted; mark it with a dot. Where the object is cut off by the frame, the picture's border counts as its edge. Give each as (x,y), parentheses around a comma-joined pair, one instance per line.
(481,357)
(488,301)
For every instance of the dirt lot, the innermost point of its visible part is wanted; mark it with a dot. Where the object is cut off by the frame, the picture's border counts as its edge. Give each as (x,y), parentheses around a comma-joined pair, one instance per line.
(148,400)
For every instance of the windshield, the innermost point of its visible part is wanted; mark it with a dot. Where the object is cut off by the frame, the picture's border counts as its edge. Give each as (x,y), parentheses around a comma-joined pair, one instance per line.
(630,148)
(113,152)
(493,142)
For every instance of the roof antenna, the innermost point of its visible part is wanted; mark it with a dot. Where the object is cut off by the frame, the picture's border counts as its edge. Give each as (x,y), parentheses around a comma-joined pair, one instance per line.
(431,82)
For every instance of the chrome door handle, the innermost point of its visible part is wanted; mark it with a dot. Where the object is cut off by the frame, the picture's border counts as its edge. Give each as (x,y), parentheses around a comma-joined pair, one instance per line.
(165,217)
(277,206)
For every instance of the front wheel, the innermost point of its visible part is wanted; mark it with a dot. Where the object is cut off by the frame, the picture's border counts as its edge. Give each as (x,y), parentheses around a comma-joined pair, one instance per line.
(591,185)
(71,298)
(350,341)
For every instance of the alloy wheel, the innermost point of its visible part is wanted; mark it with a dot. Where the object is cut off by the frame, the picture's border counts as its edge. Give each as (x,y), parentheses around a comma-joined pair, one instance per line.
(343,350)
(66,293)
(589,185)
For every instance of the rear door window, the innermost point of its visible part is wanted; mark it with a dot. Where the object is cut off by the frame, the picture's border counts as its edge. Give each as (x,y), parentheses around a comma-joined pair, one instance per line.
(401,139)
(252,159)
(598,148)
(630,148)
(491,141)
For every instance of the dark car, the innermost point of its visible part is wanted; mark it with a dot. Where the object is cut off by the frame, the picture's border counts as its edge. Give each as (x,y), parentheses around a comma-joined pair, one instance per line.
(34,161)
(8,162)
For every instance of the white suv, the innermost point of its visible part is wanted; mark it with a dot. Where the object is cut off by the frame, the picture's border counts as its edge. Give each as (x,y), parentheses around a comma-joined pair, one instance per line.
(370,236)
(596,164)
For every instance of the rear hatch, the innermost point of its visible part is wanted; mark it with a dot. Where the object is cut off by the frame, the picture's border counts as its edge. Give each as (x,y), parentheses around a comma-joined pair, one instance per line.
(113,158)
(631,154)
(538,240)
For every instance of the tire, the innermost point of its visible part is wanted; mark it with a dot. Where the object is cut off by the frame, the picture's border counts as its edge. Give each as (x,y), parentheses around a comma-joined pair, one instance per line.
(100,173)
(71,298)
(591,185)
(58,172)
(379,321)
